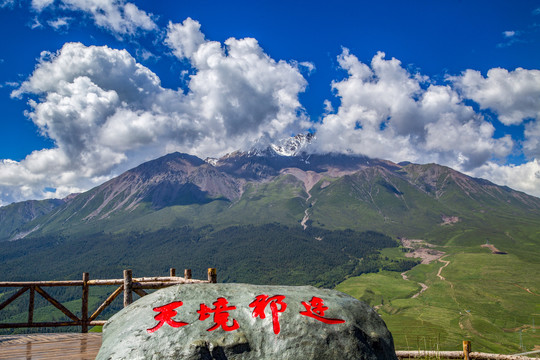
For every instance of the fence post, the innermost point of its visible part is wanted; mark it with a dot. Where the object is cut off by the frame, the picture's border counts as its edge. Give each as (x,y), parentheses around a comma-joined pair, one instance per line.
(466,350)
(128,287)
(31,305)
(212,275)
(84,308)
(187,274)
(172,272)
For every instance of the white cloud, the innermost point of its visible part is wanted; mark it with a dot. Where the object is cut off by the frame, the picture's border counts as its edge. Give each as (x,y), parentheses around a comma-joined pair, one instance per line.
(513,95)
(524,177)
(59,23)
(531,143)
(39,5)
(36,24)
(107,113)
(238,87)
(7,3)
(117,16)
(184,39)
(386,112)
(509,34)
(310,67)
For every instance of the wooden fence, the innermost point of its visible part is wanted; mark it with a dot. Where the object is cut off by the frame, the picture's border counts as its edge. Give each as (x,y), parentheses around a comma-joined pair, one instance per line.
(466,354)
(127,286)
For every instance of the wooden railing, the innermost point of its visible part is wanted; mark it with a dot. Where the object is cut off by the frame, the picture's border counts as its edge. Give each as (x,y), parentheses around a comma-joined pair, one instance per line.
(466,354)
(127,286)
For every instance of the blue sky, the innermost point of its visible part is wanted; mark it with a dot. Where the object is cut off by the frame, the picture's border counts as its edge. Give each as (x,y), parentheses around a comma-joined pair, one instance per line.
(91,88)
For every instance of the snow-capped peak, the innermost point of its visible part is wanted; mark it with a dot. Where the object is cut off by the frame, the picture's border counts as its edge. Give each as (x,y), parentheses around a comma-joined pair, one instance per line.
(293,145)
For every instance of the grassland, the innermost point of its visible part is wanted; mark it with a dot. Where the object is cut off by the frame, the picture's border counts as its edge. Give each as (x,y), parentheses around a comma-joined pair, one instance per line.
(491,299)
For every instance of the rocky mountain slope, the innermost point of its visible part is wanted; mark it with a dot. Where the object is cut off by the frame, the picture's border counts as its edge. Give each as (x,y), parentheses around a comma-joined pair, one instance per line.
(278,215)
(284,185)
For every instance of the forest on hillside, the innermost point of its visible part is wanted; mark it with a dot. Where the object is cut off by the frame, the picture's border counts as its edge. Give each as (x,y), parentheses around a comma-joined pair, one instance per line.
(266,254)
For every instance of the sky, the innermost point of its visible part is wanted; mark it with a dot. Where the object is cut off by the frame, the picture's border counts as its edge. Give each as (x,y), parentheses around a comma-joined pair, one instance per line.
(92,88)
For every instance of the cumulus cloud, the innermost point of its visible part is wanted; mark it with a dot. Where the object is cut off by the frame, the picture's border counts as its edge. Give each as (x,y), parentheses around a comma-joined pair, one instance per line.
(531,143)
(184,39)
(106,113)
(389,113)
(117,16)
(238,87)
(513,95)
(524,177)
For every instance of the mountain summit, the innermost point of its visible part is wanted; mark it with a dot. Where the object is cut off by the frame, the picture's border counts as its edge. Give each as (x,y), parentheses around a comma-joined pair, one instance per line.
(278,184)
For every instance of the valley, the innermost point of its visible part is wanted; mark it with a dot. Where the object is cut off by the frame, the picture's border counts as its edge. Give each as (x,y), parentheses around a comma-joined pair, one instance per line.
(468,294)
(442,256)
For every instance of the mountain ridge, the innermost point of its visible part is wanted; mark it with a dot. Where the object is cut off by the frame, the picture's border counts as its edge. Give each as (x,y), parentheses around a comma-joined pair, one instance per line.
(377,189)
(297,218)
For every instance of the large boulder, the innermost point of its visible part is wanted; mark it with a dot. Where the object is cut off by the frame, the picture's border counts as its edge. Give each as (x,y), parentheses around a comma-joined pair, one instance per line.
(239,321)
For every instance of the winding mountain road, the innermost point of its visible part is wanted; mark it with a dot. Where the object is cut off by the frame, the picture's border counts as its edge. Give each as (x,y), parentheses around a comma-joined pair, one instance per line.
(446,263)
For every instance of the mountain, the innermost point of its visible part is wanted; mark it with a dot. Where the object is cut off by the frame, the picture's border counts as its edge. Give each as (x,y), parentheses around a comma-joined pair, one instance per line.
(279,215)
(15,215)
(279,184)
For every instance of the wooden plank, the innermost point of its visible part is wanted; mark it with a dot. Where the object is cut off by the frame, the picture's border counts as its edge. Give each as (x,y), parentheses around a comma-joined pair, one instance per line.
(456,355)
(212,275)
(13,297)
(65,346)
(97,322)
(142,279)
(158,284)
(31,305)
(429,354)
(486,356)
(56,304)
(84,303)
(106,303)
(70,346)
(49,324)
(39,324)
(94,282)
(466,350)
(140,292)
(128,287)
(40,283)
(106,282)
(159,278)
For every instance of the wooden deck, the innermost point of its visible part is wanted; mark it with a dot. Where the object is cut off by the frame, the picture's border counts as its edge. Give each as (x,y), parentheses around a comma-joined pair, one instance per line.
(50,346)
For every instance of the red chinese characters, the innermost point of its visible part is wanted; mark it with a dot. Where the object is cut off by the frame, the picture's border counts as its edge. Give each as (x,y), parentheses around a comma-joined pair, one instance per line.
(221,315)
(316,310)
(166,313)
(260,303)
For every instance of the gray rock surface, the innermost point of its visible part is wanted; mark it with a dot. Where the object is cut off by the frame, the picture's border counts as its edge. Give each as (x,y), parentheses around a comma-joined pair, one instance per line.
(250,330)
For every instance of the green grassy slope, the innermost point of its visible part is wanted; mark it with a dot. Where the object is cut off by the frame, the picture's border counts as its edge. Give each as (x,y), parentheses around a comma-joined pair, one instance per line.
(488,298)
(13,217)
(483,296)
